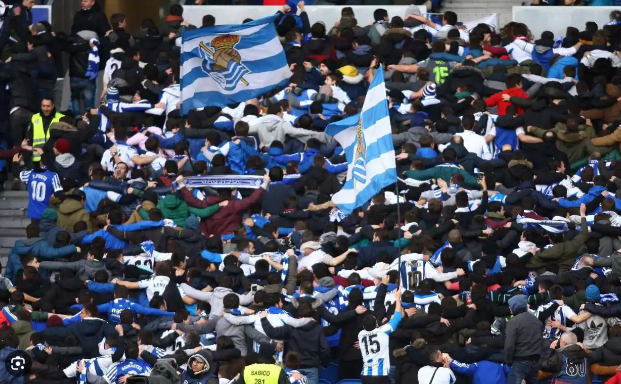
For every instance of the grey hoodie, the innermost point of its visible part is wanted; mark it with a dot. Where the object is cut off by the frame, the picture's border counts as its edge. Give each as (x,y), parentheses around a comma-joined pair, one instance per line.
(272,127)
(215,298)
(84,269)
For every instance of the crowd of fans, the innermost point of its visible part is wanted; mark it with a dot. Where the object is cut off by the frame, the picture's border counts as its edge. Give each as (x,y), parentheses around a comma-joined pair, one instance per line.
(497,261)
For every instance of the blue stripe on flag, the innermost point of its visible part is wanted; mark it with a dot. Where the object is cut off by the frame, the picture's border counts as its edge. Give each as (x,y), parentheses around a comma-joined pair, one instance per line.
(260,52)
(374,168)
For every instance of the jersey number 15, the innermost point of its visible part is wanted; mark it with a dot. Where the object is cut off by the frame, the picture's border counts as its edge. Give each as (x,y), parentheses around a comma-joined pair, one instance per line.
(372,342)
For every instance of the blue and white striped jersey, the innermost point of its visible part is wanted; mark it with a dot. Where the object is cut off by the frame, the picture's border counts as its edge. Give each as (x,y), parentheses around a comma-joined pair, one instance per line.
(374,346)
(127,367)
(562,314)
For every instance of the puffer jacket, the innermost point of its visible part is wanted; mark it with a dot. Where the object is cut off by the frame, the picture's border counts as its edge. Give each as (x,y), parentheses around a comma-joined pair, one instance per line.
(23,330)
(70,212)
(572,143)
(174,208)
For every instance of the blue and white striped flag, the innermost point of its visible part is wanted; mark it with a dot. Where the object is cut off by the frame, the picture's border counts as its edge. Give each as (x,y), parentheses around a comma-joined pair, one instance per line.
(367,142)
(229,64)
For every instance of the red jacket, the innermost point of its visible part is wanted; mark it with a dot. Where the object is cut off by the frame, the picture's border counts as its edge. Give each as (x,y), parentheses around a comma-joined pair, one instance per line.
(223,221)
(616,379)
(496,100)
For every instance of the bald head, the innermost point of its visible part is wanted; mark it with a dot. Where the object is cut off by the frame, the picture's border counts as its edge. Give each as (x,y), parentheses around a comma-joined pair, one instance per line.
(568,338)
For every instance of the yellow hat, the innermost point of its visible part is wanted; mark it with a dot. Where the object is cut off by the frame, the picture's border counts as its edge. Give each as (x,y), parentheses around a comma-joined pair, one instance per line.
(349,71)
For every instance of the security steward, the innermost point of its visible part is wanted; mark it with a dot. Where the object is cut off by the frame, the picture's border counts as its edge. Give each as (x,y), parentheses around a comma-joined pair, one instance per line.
(39,129)
(265,371)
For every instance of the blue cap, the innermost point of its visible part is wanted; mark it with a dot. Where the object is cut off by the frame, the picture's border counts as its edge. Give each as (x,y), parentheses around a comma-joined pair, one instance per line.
(592,293)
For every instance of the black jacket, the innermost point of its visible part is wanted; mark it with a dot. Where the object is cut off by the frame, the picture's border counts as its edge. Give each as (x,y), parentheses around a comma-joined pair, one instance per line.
(78,49)
(274,198)
(93,19)
(308,341)
(89,333)
(608,354)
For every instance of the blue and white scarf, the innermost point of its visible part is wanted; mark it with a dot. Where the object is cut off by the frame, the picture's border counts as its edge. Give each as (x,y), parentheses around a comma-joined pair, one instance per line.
(608,298)
(337,216)
(224,181)
(552,226)
(93,61)
(435,258)
(285,269)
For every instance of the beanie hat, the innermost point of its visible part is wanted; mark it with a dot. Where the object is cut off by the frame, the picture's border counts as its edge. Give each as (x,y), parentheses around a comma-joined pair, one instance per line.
(518,304)
(330,63)
(54,321)
(62,145)
(429,92)
(592,293)
(112,95)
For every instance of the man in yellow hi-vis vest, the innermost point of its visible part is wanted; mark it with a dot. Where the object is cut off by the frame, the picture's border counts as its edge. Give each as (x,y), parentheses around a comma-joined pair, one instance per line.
(39,130)
(265,371)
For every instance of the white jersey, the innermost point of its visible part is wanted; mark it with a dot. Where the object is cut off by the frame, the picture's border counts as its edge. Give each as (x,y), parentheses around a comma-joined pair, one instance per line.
(179,341)
(125,153)
(562,314)
(111,65)
(155,284)
(374,346)
(145,261)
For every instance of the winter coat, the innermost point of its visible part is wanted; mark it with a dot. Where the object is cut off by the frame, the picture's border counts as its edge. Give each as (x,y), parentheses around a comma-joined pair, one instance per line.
(93,19)
(574,144)
(309,341)
(70,212)
(36,246)
(223,221)
(273,199)
(564,254)
(84,269)
(90,332)
(23,330)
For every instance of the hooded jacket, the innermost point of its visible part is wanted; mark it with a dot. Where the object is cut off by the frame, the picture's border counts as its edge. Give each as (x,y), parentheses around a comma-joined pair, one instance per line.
(36,246)
(523,333)
(23,330)
(208,375)
(70,212)
(84,269)
(309,341)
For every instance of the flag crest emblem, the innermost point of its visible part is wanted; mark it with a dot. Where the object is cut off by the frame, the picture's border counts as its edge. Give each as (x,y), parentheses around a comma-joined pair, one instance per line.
(222,62)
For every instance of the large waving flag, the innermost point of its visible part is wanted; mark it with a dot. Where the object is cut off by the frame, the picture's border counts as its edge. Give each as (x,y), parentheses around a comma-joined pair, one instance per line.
(228,64)
(367,140)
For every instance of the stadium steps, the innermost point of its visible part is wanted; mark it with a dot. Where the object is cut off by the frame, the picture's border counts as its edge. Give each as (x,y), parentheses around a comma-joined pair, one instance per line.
(13,221)
(472,10)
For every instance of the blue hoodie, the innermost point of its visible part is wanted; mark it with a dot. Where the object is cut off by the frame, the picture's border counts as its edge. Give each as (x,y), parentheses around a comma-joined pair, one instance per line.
(556,71)
(36,246)
(305,161)
(483,372)
(266,157)
(585,199)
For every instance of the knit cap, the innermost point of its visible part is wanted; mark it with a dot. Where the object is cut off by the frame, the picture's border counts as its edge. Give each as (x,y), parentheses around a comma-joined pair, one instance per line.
(112,95)
(592,293)
(62,145)
(429,91)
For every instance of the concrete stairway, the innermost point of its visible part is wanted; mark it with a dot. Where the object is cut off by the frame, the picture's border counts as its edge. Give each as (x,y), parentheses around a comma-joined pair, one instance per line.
(472,10)
(13,221)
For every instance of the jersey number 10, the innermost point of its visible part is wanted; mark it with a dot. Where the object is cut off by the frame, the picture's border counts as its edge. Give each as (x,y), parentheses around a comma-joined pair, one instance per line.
(37,190)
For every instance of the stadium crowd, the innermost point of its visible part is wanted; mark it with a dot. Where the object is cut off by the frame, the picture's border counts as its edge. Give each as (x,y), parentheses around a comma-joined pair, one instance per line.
(496,262)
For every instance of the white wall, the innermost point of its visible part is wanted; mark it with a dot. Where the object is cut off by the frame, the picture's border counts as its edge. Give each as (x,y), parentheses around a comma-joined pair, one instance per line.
(328,14)
(557,19)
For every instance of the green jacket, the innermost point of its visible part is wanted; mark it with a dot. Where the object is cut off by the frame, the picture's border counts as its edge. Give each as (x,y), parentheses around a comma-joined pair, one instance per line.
(177,210)
(564,254)
(444,172)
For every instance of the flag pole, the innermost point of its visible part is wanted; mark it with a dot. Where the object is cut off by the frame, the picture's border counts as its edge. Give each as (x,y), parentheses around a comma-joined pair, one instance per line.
(399,228)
